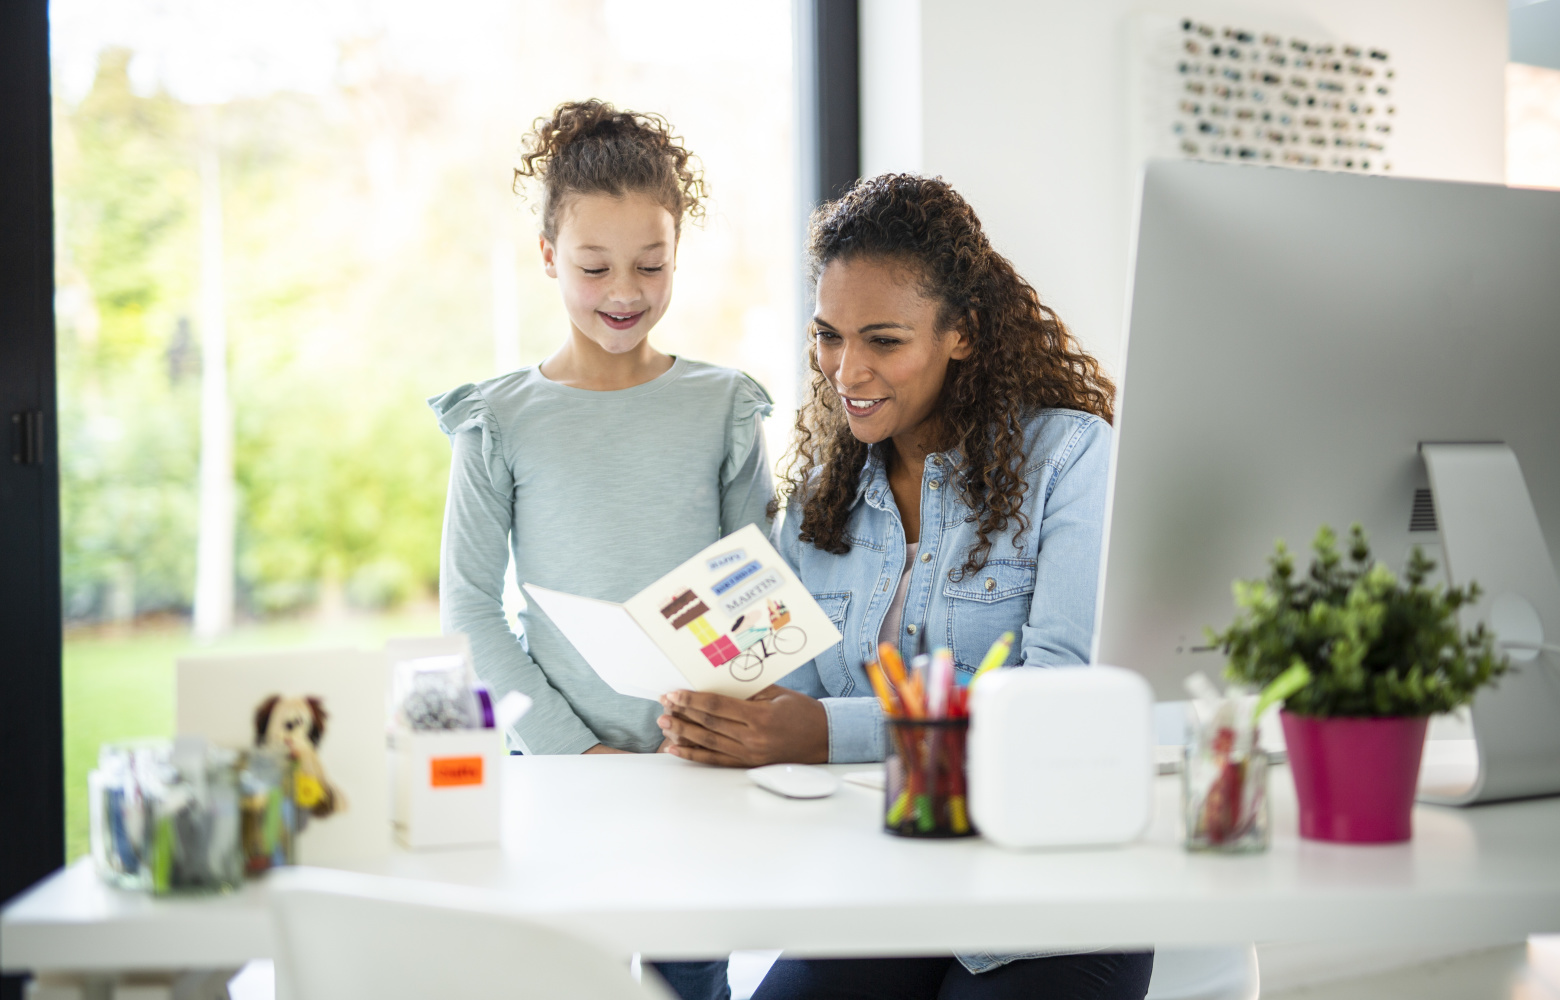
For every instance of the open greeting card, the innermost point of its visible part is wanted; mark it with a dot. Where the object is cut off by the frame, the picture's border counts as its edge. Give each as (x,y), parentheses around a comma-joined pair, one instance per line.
(733,620)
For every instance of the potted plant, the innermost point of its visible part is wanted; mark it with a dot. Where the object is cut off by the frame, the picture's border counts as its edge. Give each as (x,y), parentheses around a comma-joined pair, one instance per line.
(1360,661)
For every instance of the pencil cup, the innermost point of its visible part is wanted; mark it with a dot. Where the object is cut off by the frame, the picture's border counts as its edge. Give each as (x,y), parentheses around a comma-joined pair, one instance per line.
(1224,799)
(924,791)
(117,804)
(267,809)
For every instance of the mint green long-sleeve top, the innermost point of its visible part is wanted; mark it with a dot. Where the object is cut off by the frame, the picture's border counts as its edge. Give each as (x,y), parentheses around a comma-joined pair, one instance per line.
(594,493)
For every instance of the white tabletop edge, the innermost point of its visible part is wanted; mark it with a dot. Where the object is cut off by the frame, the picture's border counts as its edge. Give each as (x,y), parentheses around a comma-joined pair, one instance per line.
(1472,874)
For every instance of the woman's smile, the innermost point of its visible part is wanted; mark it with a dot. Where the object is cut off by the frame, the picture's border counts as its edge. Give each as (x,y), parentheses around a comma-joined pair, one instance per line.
(862,407)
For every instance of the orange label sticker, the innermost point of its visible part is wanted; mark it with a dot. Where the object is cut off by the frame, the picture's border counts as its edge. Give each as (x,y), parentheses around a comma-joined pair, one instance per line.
(445,772)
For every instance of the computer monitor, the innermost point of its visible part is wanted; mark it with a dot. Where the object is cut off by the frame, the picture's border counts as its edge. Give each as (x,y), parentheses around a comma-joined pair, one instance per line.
(1294,338)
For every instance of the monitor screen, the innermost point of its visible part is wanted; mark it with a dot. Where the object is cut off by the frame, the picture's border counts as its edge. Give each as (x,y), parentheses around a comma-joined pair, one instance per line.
(1293,337)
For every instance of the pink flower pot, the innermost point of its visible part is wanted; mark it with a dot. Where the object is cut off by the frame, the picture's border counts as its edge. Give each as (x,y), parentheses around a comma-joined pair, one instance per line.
(1355,778)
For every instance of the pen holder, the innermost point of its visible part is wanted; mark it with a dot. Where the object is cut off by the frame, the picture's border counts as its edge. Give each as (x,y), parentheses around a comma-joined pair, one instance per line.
(446,787)
(118,809)
(165,817)
(195,824)
(925,785)
(188,817)
(267,809)
(1224,799)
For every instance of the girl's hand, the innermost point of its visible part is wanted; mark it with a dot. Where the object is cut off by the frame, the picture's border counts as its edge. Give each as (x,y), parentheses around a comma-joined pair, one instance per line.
(603,748)
(775,726)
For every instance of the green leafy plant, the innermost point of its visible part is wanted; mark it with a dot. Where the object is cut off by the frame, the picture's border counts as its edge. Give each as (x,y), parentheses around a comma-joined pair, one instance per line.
(1350,639)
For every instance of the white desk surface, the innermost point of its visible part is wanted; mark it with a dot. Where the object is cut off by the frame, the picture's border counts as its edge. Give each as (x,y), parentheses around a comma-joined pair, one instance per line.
(655,855)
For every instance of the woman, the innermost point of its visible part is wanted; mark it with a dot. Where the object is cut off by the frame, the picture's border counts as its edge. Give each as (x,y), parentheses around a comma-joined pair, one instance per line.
(947,484)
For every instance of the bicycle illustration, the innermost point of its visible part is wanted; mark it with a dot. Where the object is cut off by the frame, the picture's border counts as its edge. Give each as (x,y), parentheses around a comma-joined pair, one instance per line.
(768,633)
(789,639)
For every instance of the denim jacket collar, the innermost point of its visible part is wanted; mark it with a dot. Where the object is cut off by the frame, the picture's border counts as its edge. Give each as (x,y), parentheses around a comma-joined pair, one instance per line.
(1045,599)
(873,482)
(874,476)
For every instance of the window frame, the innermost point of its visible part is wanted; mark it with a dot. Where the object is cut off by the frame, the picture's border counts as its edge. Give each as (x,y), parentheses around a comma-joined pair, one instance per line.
(32,751)
(31,719)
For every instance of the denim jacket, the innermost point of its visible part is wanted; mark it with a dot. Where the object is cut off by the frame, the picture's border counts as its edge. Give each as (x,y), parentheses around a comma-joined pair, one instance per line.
(1038,584)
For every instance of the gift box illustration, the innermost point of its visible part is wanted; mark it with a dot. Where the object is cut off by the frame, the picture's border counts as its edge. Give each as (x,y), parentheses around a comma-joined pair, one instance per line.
(687,611)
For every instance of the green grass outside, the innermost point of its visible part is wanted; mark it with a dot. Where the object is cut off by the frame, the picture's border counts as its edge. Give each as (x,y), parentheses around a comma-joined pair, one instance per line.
(120,686)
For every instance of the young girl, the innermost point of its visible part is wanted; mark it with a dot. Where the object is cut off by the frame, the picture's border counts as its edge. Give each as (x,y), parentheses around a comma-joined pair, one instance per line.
(610,462)
(949,486)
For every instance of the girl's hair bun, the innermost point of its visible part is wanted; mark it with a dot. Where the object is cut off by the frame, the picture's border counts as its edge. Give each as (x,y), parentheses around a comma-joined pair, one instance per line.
(590,147)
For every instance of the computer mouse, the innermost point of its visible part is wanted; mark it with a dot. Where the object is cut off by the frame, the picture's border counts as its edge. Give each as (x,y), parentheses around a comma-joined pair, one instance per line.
(795,781)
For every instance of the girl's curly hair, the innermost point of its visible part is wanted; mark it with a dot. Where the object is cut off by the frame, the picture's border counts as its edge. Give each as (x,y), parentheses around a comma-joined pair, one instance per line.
(590,147)
(1024,360)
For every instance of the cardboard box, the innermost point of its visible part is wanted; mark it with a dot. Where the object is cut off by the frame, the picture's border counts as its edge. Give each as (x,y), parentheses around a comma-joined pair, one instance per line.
(447,787)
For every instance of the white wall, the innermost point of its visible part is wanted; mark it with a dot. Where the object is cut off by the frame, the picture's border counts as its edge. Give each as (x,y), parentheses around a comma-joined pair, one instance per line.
(891,117)
(1023,105)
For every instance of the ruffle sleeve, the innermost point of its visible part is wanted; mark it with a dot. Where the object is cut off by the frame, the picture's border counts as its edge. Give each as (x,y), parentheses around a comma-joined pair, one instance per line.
(748,410)
(465,410)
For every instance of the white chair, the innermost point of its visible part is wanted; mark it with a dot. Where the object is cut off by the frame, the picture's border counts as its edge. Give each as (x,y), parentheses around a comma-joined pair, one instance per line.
(344,936)
(1227,973)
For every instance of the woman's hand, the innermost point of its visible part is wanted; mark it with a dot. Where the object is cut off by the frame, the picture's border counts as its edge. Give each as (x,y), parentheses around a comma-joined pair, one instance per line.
(777,725)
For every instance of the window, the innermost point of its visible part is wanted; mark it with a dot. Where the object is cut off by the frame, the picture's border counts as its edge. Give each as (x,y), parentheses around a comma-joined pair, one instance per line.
(310,201)
(1532,126)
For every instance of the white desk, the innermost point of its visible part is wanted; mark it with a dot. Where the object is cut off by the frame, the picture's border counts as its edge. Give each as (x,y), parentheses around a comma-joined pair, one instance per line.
(651,854)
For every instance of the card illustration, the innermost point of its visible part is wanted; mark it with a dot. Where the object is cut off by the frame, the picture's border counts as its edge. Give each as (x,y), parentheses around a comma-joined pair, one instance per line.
(687,611)
(733,620)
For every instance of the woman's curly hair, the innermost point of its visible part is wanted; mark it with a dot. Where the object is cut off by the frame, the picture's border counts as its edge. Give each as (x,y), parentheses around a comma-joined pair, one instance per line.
(590,147)
(1023,360)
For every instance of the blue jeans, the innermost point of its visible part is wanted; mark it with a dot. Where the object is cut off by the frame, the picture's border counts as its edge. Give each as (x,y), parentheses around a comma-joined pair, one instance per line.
(695,980)
(1096,976)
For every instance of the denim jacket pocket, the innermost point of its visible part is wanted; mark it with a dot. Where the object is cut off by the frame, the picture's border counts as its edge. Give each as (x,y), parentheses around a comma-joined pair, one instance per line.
(832,668)
(986,603)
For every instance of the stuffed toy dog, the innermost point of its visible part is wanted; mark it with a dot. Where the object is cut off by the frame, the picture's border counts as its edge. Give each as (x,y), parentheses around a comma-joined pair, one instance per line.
(296,725)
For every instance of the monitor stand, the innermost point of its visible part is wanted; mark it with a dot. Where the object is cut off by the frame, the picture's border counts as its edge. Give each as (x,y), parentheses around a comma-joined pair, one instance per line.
(1490,534)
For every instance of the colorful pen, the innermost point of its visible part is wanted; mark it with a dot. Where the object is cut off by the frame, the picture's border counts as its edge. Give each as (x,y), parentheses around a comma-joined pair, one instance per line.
(939,685)
(995,656)
(914,706)
(881,688)
(893,665)
(920,668)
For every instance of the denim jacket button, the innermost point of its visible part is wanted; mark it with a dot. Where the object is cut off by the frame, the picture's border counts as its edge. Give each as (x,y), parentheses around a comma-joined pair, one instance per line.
(991,584)
(934,484)
(910,629)
(936,459)
(926,557)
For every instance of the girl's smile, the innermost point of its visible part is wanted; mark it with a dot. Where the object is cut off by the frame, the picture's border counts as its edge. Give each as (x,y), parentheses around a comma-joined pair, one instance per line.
(620,321)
